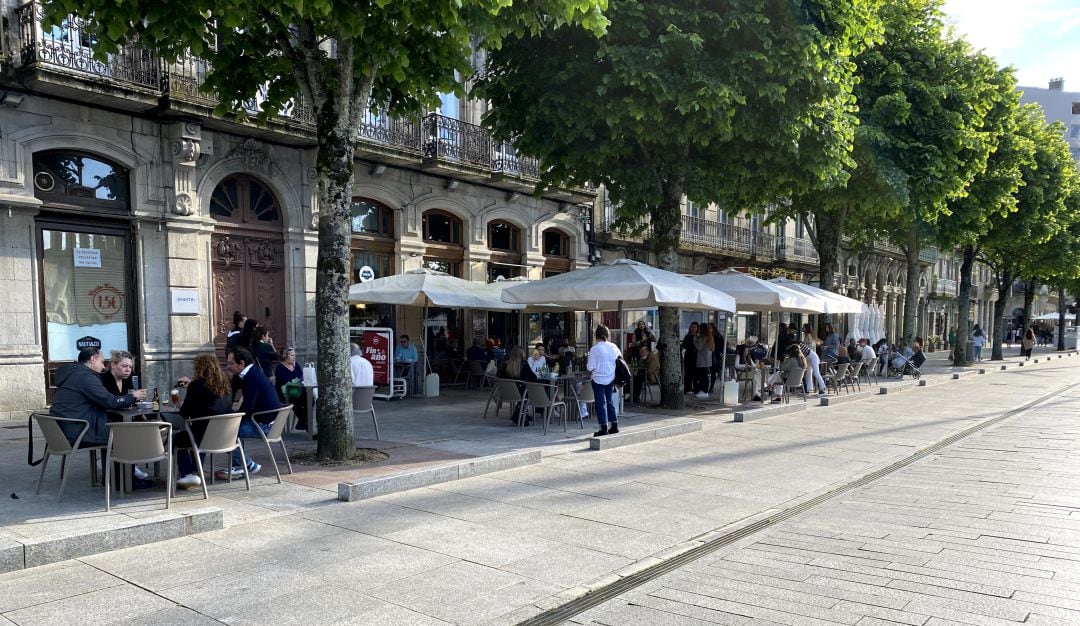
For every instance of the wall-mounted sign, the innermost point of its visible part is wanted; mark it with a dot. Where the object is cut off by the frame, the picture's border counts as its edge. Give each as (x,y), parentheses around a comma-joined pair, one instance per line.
(365,273)
(185,301)
(87,257)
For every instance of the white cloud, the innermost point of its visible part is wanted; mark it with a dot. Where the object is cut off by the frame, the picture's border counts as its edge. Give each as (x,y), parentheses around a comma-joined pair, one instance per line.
(1041,38)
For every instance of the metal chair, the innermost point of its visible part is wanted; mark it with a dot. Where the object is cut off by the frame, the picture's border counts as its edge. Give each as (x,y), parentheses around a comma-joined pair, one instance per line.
(838,378)
(583,395)
(220,437)
(507,390)
(363,401)
(856,371)
(476,372)
(794,382)
(281,417)
(545,398)
(131,443)
(56,443)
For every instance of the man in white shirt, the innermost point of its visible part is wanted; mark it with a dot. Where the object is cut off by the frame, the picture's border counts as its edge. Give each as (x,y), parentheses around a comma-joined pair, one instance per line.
(363,375)
(867,353)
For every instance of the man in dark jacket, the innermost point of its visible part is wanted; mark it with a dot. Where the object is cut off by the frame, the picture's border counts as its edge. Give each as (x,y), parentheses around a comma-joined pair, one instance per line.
(80,395)
(259,395)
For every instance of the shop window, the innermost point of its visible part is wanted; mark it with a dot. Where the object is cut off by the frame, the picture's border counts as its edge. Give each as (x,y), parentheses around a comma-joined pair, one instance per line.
(504,236)
(73,178)
(502,271)
(442,227)
(447,266)
(556,243)
(370,217)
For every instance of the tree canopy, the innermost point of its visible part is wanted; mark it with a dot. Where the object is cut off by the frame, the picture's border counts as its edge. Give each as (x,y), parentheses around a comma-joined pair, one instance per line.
(738,102)
(343,57)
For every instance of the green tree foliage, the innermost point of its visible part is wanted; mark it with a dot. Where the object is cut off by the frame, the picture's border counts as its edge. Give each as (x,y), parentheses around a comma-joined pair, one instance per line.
(926,95)
(343,57)
(1015,243)
(737,102)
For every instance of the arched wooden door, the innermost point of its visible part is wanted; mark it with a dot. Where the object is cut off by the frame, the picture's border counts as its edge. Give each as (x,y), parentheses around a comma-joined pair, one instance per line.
(247,253)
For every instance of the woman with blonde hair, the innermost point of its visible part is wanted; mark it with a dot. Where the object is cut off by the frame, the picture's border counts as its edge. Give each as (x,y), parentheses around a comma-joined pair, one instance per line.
(208,393)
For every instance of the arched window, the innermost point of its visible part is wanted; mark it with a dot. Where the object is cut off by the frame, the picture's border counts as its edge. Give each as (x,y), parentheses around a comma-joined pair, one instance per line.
(77,179)
(442,227)
(556,249)
(242,199)
(371,217)
(443,235)
(504,241)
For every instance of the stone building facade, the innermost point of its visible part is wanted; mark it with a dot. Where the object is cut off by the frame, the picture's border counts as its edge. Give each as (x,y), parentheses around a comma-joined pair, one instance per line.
(133,216)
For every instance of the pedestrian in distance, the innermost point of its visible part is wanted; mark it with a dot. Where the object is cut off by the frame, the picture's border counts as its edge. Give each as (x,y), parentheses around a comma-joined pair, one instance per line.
(978,340)
(704,346)
(1027,343)
(690,359)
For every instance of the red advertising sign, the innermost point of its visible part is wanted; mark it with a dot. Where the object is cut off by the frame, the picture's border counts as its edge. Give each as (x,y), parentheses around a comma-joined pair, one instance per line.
(377,346)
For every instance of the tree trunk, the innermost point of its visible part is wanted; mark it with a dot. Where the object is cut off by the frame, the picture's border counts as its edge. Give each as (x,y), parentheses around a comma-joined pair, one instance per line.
(963,309)
(1061,318)
(666,229)
(1004,279)
(335,168)
(827,229)
(1029,299)
(911,297)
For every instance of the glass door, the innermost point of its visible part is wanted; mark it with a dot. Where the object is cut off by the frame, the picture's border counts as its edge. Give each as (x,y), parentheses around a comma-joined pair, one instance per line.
(86,293)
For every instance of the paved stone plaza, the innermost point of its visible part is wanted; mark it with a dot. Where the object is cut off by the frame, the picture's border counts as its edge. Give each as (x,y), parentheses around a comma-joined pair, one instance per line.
(982,531)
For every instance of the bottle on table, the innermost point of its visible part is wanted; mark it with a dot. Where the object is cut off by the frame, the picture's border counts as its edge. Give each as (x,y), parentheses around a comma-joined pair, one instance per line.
(156,406)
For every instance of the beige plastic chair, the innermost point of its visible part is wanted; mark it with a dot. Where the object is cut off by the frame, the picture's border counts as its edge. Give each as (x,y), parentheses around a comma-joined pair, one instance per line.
(221,437)
(281,417)
(586,395)
(506,390)
(794,383)
(856,373)
(56,443)
(493,396)
(545,398)
(363,401)
(838,378)
(131,443)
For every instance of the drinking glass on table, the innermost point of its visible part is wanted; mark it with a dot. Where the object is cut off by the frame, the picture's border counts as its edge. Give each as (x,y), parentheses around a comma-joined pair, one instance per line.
(174,396)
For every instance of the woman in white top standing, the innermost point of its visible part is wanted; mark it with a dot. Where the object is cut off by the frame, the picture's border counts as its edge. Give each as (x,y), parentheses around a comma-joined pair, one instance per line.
(601,364)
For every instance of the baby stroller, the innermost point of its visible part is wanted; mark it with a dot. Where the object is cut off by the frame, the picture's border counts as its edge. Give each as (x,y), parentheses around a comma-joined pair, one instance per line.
(900,365)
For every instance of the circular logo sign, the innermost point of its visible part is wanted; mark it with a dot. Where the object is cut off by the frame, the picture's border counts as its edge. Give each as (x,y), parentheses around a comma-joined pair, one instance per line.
(365,273)
(107,300)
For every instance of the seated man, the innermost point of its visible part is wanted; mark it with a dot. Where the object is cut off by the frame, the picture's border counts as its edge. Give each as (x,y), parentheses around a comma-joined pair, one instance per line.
(405,357)
(363,374)
(866,352)
(80,395)
(648,369)
(476,352)
(259,395)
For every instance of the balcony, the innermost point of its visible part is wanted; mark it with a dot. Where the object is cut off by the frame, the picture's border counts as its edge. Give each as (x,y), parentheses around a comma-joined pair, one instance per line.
(945,288)
(701,233)
(798,249)
(60,61)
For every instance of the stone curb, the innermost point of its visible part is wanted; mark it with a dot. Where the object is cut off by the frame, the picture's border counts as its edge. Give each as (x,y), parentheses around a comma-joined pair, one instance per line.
(849,397)
(795,406)
(45,550)
(959,375)
(642,435)
(896,387)
(381,485)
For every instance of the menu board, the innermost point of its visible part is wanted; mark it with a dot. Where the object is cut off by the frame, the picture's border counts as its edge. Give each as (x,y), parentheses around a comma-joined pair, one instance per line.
(377,349)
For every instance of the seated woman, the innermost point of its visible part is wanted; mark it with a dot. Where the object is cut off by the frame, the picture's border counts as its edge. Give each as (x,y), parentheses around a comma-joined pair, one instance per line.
(287,371)
(209,393)
(745,362)
(117,378)
(516,367)
(793,360)
(539,361)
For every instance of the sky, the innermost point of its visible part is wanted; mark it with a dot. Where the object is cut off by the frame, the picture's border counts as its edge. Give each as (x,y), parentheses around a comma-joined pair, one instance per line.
(1040,38)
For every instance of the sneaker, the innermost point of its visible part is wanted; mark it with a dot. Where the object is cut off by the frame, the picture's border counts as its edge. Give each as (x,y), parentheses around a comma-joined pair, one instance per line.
(777,400)
(139,473)
(236,472)
(253,468)
(600,433)
(757,398)
(613,429)
(191,481)
(702,395)
(821,394)
(141,483)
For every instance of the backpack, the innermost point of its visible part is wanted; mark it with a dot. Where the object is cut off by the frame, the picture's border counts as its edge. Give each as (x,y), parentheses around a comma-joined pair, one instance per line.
(623,377)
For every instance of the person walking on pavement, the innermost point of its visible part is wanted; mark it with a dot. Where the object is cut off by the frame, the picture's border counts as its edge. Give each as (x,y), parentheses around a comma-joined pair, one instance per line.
(809,346)
(601,364)
(1027,343)
(704,345)
(978,340)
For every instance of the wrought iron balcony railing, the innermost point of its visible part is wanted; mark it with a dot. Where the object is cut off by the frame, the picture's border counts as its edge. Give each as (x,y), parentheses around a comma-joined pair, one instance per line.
(799,249)
(507,160)
(448,139)
(69,46)
(701,232)
(401,133)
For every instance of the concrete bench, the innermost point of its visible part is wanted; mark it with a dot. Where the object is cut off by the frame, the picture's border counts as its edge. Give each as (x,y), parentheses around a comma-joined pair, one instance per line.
(847,397)
(897,387)
(365,488)
(796,405)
